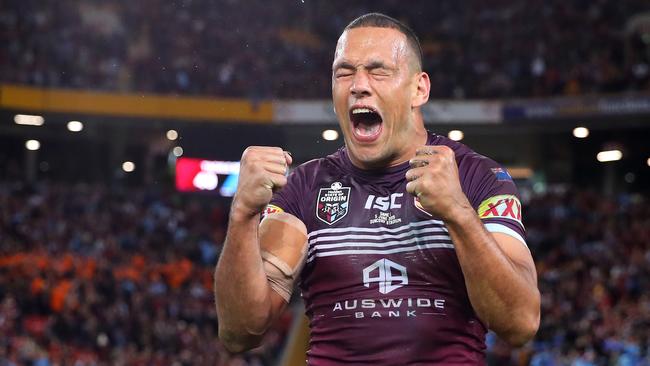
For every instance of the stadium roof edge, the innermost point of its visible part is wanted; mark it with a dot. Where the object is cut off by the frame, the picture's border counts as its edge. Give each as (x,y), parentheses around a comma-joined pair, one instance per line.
(133,104)
(212,109)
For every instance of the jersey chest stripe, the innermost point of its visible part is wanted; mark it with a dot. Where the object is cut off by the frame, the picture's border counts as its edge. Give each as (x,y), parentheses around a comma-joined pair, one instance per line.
(418,240)
(378,236)
(376,229)
(385,251)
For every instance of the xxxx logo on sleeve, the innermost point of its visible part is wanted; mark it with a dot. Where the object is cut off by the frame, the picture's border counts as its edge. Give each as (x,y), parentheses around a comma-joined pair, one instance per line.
(504,206)
(270,209)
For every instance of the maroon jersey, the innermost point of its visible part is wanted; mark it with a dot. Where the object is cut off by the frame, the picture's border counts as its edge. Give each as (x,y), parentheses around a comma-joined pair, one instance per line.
(382,284)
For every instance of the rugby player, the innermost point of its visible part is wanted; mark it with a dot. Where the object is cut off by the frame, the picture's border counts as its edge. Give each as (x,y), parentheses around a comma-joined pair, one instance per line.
(406,246)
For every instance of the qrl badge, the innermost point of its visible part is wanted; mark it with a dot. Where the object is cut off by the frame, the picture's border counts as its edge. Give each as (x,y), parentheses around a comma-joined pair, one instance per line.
(333,203)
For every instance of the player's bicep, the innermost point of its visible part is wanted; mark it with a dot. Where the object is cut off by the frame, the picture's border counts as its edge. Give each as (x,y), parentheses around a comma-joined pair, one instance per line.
(518,254)
(283,244)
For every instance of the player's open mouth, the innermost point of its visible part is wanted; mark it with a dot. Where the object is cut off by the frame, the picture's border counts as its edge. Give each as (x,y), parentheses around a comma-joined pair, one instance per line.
(366,123)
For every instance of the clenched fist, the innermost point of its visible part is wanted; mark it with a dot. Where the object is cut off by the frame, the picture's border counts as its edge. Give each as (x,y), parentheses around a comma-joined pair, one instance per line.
(263,170)
(433,179)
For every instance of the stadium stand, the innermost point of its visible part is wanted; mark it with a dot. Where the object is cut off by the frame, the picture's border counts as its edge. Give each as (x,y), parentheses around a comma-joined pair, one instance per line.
(471,48)
(91,276)
(593,260)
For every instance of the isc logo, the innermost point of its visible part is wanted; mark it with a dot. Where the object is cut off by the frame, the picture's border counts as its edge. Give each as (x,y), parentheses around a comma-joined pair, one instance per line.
(383,203)
(387,272)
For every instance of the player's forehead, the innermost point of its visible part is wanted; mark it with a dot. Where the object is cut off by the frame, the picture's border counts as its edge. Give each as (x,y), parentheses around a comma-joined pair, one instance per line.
(364,44)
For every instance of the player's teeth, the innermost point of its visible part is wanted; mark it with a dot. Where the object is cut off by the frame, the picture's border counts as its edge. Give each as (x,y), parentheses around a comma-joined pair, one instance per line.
(361,110)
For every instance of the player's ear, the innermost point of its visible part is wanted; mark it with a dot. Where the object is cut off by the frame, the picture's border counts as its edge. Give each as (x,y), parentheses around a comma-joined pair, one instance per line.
(422,87)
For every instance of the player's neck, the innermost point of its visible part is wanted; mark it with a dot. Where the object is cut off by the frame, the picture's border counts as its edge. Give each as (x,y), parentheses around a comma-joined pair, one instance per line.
(419,138)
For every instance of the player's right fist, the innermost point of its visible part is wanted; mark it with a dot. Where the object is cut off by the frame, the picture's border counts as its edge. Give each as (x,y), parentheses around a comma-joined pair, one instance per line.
(263,170)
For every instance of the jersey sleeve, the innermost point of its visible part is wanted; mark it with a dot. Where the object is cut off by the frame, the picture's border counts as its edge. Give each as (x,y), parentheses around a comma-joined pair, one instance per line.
(494,196)
(288,199)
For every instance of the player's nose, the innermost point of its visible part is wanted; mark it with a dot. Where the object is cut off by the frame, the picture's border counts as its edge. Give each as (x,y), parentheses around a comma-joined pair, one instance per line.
(360,86)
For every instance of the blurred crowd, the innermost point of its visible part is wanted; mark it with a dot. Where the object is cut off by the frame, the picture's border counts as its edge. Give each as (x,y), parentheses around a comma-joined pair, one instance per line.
(593,261)
(92,276)
(269,49)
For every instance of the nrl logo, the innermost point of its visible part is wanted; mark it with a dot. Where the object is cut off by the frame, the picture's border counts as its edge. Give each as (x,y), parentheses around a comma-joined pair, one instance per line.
(332,203)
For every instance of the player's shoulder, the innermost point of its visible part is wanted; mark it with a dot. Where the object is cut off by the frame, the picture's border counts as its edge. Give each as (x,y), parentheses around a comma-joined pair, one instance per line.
(469,161)
(335,160)
(309,170)
(483,180)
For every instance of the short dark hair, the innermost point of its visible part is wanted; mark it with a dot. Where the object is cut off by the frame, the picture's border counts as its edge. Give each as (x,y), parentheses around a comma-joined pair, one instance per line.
(380,20)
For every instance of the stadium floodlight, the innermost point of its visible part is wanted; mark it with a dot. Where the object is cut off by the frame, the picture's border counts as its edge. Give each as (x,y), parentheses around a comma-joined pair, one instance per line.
(177,151)
(580,132)
(456,135)
(29,120)
(32,145)
(102,340)
(172,135)
(609,155)
(128,166)
(330,135)
(75,126)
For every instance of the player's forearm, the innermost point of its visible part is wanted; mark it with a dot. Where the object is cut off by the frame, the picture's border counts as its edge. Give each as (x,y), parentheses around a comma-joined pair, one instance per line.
(242,292)
(503,293)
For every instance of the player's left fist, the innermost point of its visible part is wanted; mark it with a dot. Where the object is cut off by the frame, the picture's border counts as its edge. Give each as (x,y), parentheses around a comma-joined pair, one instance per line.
(433,179)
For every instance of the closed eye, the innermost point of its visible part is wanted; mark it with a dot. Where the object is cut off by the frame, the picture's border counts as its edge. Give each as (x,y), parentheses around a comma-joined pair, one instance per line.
(380,73)
(343,74)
